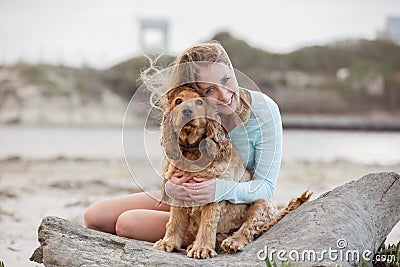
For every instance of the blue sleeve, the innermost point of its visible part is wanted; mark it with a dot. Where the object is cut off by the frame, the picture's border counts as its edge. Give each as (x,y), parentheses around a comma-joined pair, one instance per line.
(267,146)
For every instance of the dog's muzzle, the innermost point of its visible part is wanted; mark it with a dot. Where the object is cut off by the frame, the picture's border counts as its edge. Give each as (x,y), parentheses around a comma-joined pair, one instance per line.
(187,112)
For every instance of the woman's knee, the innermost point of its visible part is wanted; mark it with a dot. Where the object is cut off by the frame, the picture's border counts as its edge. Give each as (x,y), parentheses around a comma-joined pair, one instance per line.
(127,224)
(89,216)
(147,225)
(96,218)
(103,215)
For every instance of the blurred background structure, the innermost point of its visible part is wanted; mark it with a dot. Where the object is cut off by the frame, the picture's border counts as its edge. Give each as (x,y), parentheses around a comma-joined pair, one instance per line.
(153,28)
(391,31)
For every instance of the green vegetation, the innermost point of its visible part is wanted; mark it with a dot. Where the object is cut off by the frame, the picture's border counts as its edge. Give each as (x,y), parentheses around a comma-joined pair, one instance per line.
(382,55)
(123,78)
(306,80)
(303,81)
(275,263)
(387,255)
(345,54)
(61,80)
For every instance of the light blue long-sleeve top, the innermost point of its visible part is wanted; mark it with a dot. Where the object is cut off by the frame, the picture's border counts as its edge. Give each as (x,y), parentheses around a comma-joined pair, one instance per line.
(260,144)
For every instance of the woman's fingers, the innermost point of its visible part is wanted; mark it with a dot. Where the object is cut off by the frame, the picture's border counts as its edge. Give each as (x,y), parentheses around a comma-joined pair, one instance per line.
(178,173)
(184,179)
(180,180)
(200,182)
(199,179)
(201,191)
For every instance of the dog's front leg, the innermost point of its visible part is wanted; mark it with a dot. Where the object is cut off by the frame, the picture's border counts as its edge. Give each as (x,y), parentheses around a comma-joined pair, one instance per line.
(176,228)
(204,245)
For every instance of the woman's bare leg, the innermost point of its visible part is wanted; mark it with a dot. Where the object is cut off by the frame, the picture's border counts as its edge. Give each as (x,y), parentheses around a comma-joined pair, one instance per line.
(103,215)
(136,216)
(147,225)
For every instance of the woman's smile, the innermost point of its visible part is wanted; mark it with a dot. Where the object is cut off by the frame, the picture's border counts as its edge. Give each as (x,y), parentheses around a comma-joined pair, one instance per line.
(229,101)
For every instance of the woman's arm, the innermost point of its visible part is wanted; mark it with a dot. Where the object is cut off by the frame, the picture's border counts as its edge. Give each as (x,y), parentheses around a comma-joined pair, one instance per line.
(267,145)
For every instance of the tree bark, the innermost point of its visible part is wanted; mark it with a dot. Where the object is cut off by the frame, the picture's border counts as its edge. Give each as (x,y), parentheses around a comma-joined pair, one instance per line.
(354,217)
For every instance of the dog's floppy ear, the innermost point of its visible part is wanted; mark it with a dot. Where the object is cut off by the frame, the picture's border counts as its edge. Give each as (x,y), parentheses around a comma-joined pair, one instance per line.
(217,144)
(169,140)
(215,131)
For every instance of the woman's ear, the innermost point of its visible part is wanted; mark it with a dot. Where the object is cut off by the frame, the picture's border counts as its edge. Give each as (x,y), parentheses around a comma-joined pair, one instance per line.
(169,140)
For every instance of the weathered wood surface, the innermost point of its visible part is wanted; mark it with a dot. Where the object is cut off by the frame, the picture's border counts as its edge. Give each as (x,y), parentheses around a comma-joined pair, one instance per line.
(361,212)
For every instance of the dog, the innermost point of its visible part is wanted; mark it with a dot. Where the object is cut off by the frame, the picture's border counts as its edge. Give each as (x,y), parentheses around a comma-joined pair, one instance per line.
(195,142)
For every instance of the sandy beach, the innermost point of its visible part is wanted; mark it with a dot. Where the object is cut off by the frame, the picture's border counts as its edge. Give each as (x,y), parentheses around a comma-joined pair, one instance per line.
(33,187)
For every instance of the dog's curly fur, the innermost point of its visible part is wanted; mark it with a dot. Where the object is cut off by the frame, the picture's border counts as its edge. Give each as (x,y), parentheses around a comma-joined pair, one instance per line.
(190,123)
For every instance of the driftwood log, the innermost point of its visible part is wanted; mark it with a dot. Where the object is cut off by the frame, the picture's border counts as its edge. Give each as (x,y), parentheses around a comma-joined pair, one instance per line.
(353,218)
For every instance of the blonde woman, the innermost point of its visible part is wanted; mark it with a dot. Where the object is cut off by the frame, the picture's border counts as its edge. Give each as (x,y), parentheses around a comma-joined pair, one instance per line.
(253,123)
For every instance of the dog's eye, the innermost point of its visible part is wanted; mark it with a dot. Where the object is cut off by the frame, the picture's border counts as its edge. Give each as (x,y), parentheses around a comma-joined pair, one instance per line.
(199,102)
(178,101)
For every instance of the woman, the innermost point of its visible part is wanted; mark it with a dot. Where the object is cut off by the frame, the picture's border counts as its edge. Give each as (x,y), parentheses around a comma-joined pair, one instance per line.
(253,123)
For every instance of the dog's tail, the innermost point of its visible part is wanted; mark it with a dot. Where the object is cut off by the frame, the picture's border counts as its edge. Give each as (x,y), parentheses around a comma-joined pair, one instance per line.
(291,206)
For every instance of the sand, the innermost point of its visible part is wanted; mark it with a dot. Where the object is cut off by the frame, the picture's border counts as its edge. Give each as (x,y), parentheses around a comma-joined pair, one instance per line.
(64,187)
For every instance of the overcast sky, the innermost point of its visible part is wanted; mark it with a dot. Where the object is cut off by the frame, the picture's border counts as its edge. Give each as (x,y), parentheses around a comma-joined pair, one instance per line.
(104,32)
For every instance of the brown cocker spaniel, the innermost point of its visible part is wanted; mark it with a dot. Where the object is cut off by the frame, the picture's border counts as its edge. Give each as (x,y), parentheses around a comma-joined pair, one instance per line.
(194,142)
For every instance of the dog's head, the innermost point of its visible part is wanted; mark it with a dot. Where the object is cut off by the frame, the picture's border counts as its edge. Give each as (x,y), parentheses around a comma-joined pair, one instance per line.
(190,123)
(188,114)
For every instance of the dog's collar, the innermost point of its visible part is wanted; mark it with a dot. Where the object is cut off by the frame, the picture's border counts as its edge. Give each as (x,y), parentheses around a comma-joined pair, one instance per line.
(200,147)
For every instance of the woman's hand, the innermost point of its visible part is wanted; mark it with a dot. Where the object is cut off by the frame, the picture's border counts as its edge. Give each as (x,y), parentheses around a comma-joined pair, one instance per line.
(201,190)
(174,187)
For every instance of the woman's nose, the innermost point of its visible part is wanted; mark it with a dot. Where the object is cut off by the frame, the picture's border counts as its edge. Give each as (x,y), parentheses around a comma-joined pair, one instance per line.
(223,93)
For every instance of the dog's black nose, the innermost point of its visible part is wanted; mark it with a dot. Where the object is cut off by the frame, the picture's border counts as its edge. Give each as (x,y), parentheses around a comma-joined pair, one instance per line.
(187,112)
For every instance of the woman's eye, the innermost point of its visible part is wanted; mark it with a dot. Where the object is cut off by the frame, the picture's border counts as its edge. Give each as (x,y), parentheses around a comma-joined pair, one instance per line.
(199,102)
(225,80)
(178,101)
(209,90)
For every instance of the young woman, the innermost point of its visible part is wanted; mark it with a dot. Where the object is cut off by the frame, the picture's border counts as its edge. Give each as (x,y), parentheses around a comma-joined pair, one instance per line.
(253,123)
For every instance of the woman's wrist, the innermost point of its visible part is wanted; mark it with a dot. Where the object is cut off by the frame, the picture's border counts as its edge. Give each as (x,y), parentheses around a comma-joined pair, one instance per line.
(165,189)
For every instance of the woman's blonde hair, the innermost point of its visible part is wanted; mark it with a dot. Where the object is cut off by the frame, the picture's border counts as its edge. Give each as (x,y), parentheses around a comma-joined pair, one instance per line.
(185,70)
(187,64)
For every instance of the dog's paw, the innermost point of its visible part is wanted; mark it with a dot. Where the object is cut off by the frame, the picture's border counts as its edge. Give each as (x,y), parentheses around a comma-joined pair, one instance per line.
(218,241)
(188,248)
(165,246)
(232,245)
(201,253)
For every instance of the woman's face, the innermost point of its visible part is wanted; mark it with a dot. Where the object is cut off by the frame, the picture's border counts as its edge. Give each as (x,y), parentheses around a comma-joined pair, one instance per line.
(217,82)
